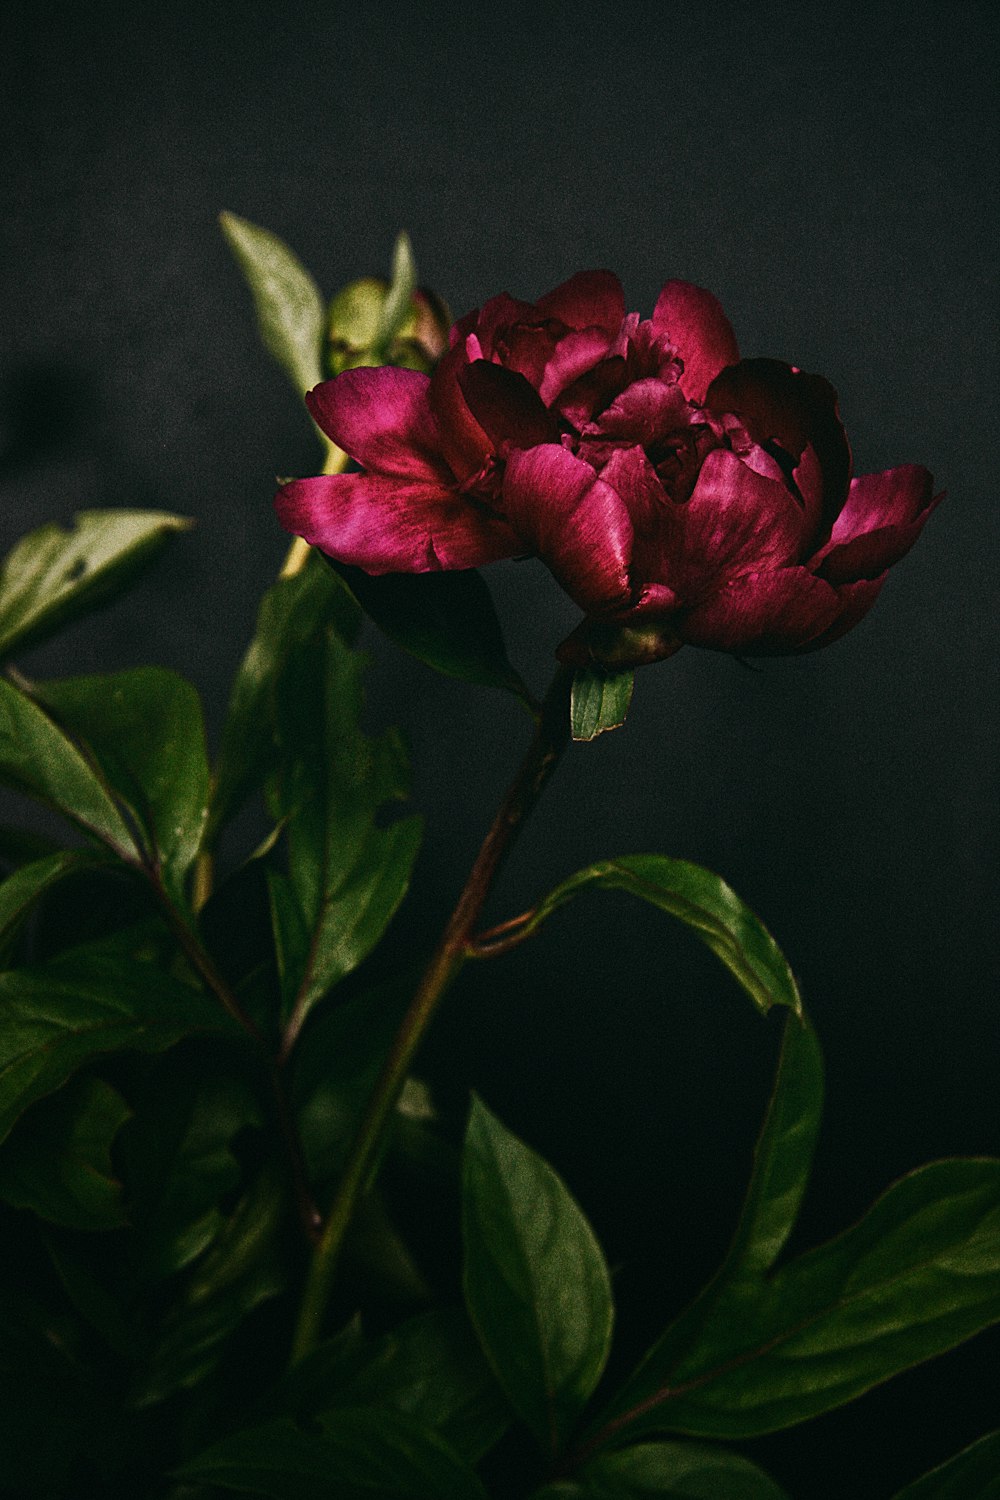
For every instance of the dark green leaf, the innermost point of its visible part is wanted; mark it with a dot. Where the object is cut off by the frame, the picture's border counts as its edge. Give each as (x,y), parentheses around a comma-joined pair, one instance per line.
(52,576)
(675,1471)
(431,1369)
(445,620)
(293,612)
(706,904)
(177,1158)
(973,1474)
(396,307)
(600,700)
(536,1283)
(20,891)
(918,1275)
(347,874)
(99,1306)
(38,759)
(289,308)
(362,1454)
(242,1269)
(144,729)
(60,1015)
(57,1161)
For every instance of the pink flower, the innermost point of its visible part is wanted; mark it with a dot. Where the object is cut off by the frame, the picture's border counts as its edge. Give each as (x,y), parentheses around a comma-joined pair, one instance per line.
(678,493)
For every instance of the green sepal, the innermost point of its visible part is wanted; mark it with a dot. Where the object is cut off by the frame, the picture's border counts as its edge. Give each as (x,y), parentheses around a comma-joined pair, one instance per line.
(446,620)
(536,1283)
(52,575)
(599,700)
(702,901)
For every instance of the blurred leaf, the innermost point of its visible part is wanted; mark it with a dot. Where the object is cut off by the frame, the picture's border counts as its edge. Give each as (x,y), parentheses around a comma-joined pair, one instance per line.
(673,1471)
(38,759)
(19,846)
(973,1474)
(366,1454)
(536,1283)
(20,892)
(705,903)
(60,1015)
(396,308)
(347,874)
(242,1269)
(292,613)
(918,1275)
(99,1306)
(599,700)
(57,1161)
(144,729)
(289,307)
(446,620)
(51,576)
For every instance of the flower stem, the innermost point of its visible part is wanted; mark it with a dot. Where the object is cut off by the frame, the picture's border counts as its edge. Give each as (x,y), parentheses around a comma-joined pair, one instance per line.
(540,761)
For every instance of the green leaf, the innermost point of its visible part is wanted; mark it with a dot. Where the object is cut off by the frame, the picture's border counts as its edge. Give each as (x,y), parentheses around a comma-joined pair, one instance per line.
(431,1369)
(599,700)
(675,1471)
(918,1275)
(178,1161)
(292,613)
(446,620)
(52,575)
(973,1474)
(289,308)
(20,892)
(347,874)
(366,1454)
(145,731)
(536,1283)
(60,1015)
(38,759)
(57,1162)
(396,308)
(705,903)
(242,1269)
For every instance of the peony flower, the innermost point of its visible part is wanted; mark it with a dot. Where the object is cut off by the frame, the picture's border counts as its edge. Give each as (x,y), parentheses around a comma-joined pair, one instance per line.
(677,493)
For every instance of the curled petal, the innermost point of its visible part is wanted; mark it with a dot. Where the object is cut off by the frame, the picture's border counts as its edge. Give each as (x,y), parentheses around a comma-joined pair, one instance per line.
(392,526)
(854,600)
(763,613)
(645,412)
(574,521)
(700,332)
(797,411)
(574,354)
(590,299)
(382,418)
(884,515)
(464,444)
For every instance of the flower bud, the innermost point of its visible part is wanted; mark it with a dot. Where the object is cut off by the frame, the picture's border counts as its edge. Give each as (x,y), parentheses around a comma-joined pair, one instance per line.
(353,329)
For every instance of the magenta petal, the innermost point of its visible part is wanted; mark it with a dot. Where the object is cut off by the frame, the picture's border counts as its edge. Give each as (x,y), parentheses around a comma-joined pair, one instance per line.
(736,521)
(506,406)
(392,526)
(763,613)
(854,600)
(383,419)
(895,497)
(644,412)
(464,444)
(574,354)
(587,300)
(700,332)
(574,521)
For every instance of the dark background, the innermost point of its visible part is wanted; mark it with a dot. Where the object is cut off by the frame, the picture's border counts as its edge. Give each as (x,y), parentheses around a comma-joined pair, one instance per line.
(828,173)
